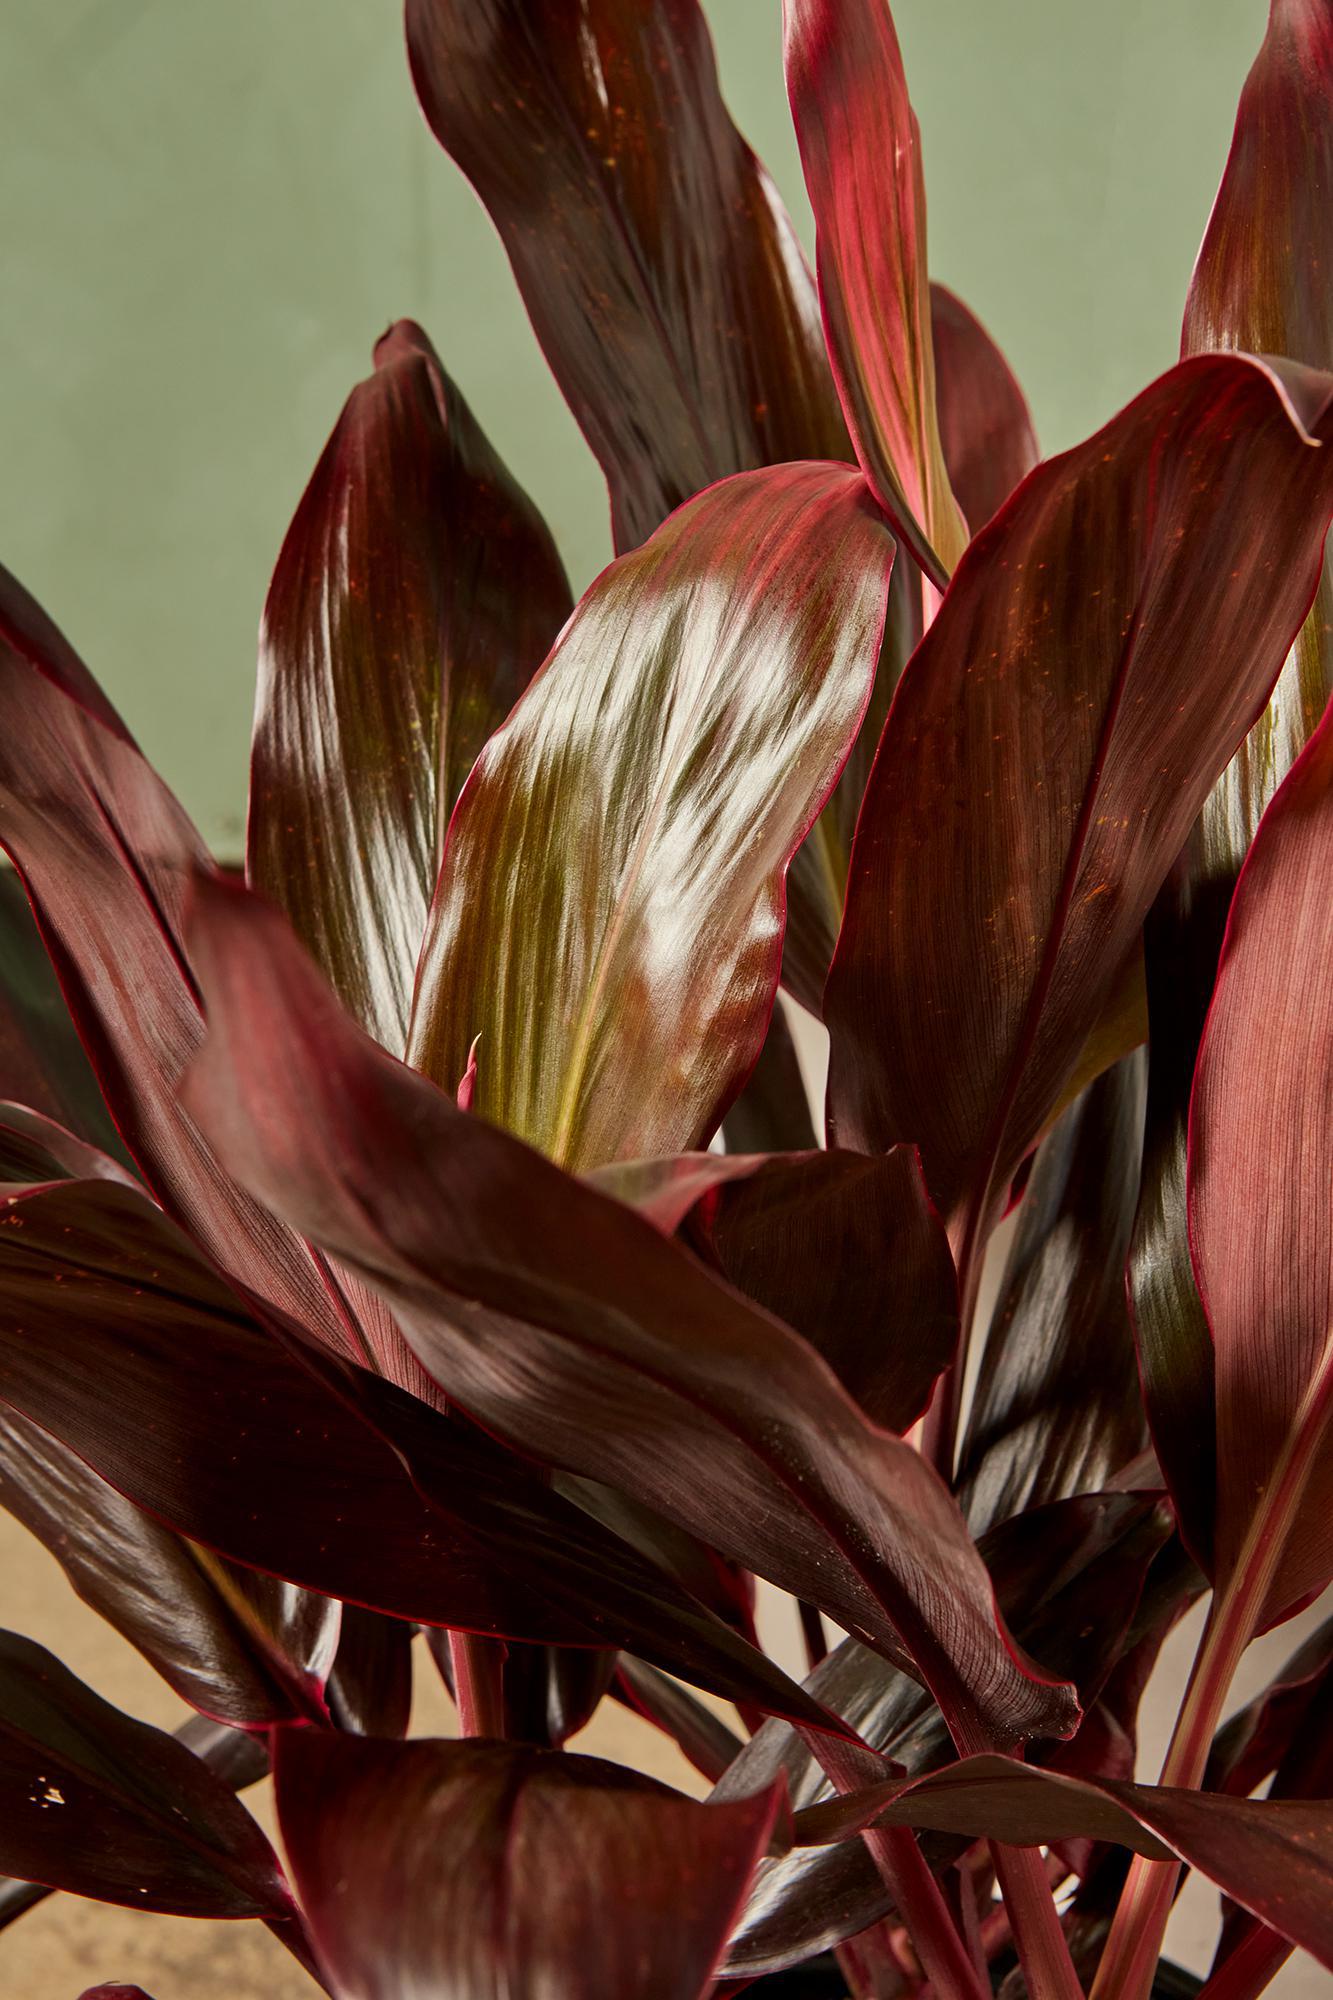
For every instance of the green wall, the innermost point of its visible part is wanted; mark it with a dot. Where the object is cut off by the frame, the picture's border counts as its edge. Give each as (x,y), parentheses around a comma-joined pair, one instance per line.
(210,211)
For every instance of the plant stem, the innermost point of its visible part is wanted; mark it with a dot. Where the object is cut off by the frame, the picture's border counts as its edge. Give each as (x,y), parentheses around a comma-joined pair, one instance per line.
(813,1633)
(478,1669)
(917,1896)
(1043,1949)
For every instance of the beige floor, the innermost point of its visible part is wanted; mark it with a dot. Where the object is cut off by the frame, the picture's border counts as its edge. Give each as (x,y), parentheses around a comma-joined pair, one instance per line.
(65,1945)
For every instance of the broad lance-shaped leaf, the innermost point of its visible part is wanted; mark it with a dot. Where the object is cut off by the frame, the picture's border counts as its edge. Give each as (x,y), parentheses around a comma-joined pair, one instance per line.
(1106,642)
(237,1757)
(621,845)
(662,275)
(843,1246)
(1261,1157)
(42,1061)
(565,1323)
(985,424)
(1068,1578)
(309,1470)
(105,854)
(1262,284)
(1257,1739)
(988,447)
(861,150)
(484,1871)
(417,591)
(1275,1857)
(241,1646)
(96,1803)
(1056,1407)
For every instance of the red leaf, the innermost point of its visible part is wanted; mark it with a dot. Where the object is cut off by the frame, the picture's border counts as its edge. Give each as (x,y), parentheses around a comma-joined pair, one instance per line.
(861,150)
(1125,691)
(106,1807)
(34,1148)
(1260,1141)
(105,853)
(1276,1858)
(235,1644)
(416,592)
(489,1870)
(245,1449)
(1260,285)
(985,424)
(564,1322)
(42,1061)
(661,272)
(847,1250)
(1055,1409)
(621,846)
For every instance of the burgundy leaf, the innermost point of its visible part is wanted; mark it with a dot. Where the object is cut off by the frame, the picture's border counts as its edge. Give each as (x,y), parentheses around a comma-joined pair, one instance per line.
(1068,1578)
(985,424)
(662,275)
(1260,1140)
(772,1113)
(861,150)
(621,845)
(99,1804)
(1260,285)
(105,853)
(114,1992)
(36,1148)
(564,1322)
(817,878)
(370,1688)
(1056,1409)
(1257,1738)
(1125,691)
(1276,1858)
(481,1871)
(240,1646)
(42,1061)
(699,1732)
(433,1521)
(416,592)
(848,1250)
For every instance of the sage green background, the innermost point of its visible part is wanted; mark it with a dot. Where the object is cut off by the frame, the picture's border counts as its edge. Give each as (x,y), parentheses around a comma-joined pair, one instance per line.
(209,212)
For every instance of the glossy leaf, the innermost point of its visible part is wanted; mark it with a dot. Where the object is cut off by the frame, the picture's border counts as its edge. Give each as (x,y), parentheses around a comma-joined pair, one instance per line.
(417,591)
(42,1061)
(847,1250)
(99,1804)
(464,1537)
(36,1148)
(772,1113)
(239,1646)
(1068,1578)
(1256,1739)
(1126,691)
(985,425)
(481,1871)
(105,853)
(1261,285)
(1055,1409)
(568,1325)
(861,150)
(699,1732)
(1260,1140)
(622,843)
(817,878)
(662,275)
(1276,1858)
(370,1688)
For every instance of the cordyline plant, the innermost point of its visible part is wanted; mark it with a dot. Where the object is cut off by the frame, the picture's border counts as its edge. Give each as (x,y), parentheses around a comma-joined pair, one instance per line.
(368,1261)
